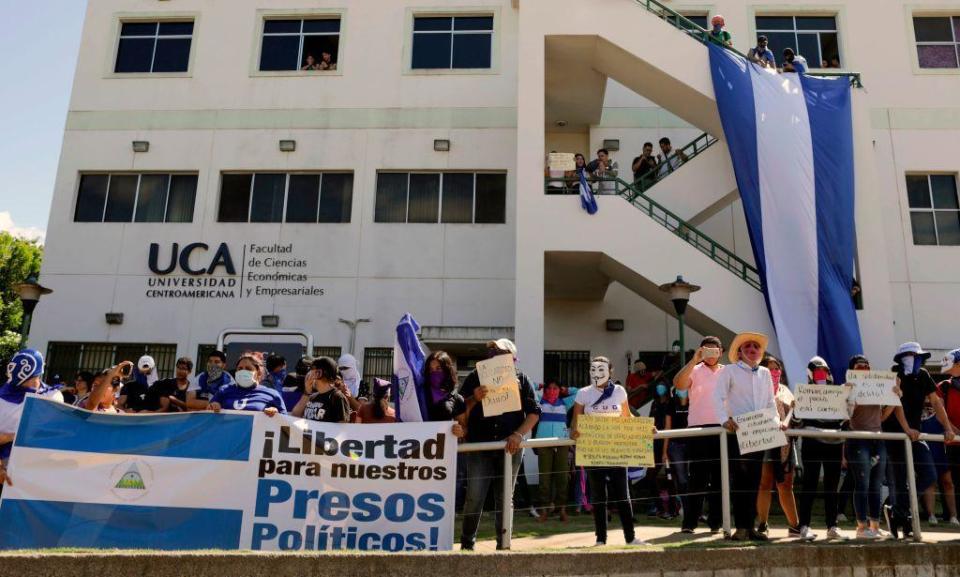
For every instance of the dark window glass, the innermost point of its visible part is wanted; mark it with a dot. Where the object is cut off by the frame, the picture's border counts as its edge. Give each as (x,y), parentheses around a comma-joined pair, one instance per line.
(303,198)
(267,203)
(138,29)
(424,198)
(442,23)
(457,198)
(431,51)
(937,56)
(183,194)
(922,225)
(336,198)
(932,29)
(280,53)
(317,45)
(698,19)
(774,23)
(944,188)
(281,26)
(234,198)
(473,23)
(471,50)
(152,198)
(172,55)
(91,198)
(391,202)
(948,227)
(120,199)
(176,29)
(491,202)
(829,47)
(134,55)
(808,46)
(777,41)
(918,191)
(816,23)
(323,25)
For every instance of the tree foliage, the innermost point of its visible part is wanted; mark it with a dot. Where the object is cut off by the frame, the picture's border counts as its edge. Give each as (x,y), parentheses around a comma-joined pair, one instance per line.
(19,259)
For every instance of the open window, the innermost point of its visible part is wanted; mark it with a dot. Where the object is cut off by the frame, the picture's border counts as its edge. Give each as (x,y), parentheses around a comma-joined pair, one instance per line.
(308,45)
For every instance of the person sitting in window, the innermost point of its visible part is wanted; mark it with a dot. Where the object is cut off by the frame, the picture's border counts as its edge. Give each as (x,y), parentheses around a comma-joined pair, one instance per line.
(718,34)
(761,54)
(326,62)
(834,62)
(311,63)
(794,62)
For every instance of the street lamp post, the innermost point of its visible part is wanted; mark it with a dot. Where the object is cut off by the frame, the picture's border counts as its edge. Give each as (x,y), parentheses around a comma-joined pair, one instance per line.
(353,331)
(679,291)
(30,292)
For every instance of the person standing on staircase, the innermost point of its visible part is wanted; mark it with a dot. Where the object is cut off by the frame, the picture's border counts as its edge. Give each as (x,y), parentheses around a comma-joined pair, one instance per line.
(667,162)
(603,168)
(718,34)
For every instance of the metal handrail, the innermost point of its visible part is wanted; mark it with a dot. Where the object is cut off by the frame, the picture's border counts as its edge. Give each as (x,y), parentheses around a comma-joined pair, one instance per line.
(690,150)
(684,24)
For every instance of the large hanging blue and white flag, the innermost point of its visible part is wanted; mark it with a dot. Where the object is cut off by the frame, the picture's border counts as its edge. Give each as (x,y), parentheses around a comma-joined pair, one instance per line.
(407,390)
(791,141)
(587,201)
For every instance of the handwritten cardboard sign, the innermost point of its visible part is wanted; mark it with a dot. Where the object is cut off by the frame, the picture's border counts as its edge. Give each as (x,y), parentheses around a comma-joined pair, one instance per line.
(824,402)
(499,377)
(561,161)
(759,431)
(873,388)
(615,441)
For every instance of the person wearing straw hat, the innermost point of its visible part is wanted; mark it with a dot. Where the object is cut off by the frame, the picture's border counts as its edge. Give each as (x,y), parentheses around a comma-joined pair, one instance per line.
(743,387)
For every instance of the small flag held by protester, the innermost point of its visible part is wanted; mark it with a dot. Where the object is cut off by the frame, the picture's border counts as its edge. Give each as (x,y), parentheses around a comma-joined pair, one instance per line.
(407,383)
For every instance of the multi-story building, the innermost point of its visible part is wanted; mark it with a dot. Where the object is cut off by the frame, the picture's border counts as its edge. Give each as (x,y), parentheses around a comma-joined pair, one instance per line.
(313,162)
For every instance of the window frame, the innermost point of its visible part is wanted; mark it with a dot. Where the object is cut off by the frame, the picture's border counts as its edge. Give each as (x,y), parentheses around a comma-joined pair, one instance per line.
(136,200)
(121,18)
(928,11)
(932,210)
(836,11)
(298,14)
(441,173)
(286,193)
(452,12)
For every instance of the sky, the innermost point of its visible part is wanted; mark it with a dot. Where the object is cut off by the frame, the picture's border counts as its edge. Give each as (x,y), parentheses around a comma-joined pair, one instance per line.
(38,48)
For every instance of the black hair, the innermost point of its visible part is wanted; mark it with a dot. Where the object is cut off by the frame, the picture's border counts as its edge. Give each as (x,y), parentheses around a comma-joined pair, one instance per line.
(379,401)
(603,150)
(87,377)
(646,144)
(857,360)
(761,38)
(327,368)
(664,140)
(711,341)
(185,361)
(448,367)
(219,355)
(275,362)
(303,365)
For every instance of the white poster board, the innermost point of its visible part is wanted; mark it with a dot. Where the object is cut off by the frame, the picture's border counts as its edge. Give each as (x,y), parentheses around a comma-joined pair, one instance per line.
(823,402)
(873,388)
(499,377)
(561,161)
(759,431)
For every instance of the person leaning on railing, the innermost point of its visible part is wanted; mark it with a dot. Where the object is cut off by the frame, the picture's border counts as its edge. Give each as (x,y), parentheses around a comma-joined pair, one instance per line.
(717,32)
(554,462)
(949,391)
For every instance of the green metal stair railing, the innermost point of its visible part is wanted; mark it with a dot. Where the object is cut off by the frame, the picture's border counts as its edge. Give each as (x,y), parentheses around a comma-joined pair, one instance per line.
(681,22)
(667,219)
(691,150)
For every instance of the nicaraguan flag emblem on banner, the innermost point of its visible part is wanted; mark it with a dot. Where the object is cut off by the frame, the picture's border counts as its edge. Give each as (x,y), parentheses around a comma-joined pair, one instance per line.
(407,385)
(791,142)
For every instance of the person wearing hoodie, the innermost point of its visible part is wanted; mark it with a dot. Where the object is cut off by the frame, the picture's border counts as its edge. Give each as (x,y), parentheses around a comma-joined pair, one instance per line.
(134,394)
(350,373)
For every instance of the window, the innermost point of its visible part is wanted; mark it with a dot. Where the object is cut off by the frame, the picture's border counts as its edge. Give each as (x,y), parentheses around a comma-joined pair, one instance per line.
(813,37)
(569,368)
(309,45)
(281,197)
(332,352)
(938,41)
(377,363)
(452,42)
(700,19)
(154,47)
(934,209)
(449,197)
(67,359)
(144,197)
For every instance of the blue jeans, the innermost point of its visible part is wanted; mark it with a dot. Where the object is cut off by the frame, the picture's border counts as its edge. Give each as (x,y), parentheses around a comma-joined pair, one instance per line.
(680,467)
(926,472)
(867,476)
(485,468)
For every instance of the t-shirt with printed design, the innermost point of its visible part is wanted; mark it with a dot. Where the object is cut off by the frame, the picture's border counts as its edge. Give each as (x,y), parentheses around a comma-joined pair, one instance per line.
(612,406)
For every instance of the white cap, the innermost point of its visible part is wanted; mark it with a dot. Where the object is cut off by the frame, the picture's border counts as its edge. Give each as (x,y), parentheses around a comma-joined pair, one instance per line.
(503,345)
(146,363)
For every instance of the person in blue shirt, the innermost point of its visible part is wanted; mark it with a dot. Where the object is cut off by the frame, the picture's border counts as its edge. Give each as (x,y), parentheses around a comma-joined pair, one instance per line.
(761,54)
(554,462)
(209,382)
(247,394)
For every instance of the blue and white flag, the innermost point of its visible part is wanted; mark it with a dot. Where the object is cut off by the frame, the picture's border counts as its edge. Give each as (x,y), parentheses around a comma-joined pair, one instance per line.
(407,390)
(791,141)
(587,201)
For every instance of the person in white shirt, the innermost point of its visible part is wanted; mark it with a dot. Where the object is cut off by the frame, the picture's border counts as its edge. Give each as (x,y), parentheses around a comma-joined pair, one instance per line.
(699,376)
(608,485)
(744,387)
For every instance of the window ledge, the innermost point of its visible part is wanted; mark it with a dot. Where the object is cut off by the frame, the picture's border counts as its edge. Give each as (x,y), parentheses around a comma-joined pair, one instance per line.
(935,71)
(451,72)
(294,73)
(140,75)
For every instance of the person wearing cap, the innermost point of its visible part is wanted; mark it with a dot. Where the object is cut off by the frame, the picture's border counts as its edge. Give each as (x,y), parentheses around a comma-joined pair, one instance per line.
(817,455)
(794,62)
(209,382)
(761,54)
(949,391)
(718,34)
(699,379)
(744,387)
(23,376)
(134,394)
(485,469)
(916,387)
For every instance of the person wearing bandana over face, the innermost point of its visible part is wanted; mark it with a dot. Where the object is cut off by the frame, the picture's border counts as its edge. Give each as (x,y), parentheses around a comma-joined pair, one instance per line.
(350,374)
(718,34)
(276,373)
(699,378)
(608,485)
(744,387)
(209,382)
(949,391)
(23,376)
(485,469)
(248,394)
(916,387)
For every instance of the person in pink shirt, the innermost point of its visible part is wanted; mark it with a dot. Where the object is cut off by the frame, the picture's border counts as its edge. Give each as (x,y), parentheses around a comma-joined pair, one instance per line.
(699,376)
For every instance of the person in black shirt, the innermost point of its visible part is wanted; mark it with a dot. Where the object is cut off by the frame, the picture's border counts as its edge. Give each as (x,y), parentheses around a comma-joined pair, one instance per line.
(485,468)
(170,395)
(645,163)
(659,412)
(916,386)
(321,400)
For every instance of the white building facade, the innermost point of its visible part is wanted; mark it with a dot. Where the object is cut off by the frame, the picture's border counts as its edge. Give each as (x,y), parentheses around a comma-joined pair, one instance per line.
(207,180)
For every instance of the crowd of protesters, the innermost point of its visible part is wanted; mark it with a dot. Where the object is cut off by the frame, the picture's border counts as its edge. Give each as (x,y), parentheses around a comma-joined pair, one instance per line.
(704,392)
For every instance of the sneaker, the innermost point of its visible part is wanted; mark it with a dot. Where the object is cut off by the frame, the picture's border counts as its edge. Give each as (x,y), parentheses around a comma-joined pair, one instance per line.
(955,522)
(599,543)
(806,534)
(841,518)
(637,541)
(793,532)
(835,533)
(866,533)
(757,536)
(933,521)
(762,528)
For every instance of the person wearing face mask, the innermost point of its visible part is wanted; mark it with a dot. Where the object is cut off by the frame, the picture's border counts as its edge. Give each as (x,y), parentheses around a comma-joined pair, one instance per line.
(554,462)
(718,34)
(248,394)
(699,378)
(209,382)
(949,391)
(638,384)
(744,387)
(321,400)
(276,372)
(916,387)
(133,396)
(608,485)
(352,378)
(659,411)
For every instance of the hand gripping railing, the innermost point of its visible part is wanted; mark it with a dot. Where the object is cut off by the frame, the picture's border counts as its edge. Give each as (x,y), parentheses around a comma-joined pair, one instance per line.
(721,433)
